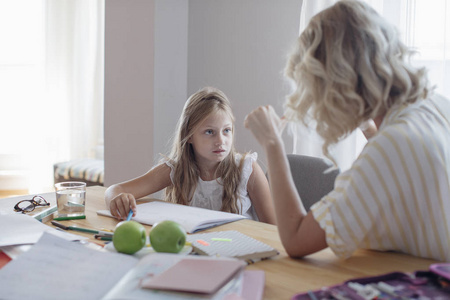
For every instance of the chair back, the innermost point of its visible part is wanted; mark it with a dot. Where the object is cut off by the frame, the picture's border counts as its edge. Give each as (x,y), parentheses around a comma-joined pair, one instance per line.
(309,177)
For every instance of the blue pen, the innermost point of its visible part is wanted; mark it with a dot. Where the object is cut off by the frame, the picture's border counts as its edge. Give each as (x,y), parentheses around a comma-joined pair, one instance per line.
(129,215)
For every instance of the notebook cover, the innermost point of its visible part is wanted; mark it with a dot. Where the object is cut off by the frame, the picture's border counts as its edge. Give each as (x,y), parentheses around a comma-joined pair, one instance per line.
(230,243)
(4,259)
(253,287)
(442,269)
(202,276)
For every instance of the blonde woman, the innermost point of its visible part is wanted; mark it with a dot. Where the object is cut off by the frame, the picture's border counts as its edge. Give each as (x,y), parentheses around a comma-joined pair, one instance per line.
(203,168)
(349,67)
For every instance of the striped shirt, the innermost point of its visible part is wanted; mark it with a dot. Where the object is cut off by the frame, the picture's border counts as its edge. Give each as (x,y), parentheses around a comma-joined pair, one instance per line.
(396,195)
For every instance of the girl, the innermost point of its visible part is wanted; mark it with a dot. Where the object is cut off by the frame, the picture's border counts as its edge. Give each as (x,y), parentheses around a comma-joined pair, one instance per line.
(203,168)
(349,66)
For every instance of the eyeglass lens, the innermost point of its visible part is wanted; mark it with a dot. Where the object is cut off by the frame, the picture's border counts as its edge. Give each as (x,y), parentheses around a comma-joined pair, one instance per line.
(26,205)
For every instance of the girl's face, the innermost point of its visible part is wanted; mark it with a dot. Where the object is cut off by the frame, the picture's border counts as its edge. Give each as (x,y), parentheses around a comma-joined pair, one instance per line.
(212,141)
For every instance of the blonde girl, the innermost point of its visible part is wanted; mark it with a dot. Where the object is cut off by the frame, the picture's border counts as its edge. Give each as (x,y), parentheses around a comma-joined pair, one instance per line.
(203,169)
(350,67)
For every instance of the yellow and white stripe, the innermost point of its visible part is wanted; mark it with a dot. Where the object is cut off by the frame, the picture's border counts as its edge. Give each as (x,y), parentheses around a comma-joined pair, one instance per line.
(396,196)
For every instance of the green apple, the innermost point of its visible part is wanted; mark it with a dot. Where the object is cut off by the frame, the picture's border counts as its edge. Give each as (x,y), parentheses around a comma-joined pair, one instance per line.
(167,236)
(129,237)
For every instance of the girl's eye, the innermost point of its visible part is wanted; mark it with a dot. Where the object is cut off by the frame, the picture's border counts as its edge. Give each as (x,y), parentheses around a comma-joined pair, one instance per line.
(209,131)
(228,130)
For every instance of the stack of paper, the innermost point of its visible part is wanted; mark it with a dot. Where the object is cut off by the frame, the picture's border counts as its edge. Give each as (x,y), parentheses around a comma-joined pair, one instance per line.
(58,269)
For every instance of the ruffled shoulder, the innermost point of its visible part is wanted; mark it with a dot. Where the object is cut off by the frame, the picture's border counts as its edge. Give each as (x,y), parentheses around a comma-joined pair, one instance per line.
(247,167)
(170,165)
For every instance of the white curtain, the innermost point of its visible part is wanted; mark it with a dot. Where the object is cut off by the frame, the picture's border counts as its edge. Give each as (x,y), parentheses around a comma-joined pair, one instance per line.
(74,80)
(423,25)
(51,69)
(74,73)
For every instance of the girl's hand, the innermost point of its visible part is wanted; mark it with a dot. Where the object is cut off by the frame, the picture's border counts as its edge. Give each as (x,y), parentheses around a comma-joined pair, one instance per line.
(265,125)
(121,204)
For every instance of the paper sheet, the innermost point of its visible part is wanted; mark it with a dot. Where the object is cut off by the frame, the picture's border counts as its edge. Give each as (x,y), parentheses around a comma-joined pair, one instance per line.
(19,229)
(57,269)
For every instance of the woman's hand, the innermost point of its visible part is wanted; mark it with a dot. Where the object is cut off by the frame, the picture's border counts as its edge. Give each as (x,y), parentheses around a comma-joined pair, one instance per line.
(369,128)
(121,204)
(265,124)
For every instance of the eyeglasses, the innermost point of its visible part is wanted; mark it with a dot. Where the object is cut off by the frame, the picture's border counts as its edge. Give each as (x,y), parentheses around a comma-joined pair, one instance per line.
(26,206)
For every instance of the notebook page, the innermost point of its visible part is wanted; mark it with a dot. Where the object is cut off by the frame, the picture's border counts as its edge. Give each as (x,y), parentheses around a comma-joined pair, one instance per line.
(191,218)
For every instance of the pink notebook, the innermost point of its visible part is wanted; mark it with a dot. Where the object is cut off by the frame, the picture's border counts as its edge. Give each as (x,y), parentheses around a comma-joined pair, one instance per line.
(202,276)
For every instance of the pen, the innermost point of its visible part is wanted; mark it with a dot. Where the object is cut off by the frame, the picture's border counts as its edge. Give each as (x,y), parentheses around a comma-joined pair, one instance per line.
(312,296)
(69,218)
(103,237)
(81,229)
(129,215)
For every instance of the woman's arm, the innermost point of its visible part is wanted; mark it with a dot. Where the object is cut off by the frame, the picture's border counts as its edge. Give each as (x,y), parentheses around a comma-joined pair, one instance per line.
(259,192)
(300,234)
(121,197)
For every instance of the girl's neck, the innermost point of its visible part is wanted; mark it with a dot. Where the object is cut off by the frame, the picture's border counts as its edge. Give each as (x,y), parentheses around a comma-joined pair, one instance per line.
(208,173)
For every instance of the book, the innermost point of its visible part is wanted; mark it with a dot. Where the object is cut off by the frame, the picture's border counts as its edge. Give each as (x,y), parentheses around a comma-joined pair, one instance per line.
(231,243)
(66,270)
(193,219)
(194,276)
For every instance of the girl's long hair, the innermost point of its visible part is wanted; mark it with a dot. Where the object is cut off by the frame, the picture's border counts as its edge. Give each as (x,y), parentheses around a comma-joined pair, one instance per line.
(186,173)
(349,66)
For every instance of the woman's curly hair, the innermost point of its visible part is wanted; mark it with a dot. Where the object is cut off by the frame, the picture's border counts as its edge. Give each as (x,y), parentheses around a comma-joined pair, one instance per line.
(349,66)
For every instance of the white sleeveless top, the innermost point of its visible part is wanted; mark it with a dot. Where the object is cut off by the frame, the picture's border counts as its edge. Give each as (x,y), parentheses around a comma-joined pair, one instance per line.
(208,194)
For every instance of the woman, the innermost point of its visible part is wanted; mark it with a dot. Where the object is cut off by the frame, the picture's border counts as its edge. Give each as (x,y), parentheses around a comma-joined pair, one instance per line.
(349,67)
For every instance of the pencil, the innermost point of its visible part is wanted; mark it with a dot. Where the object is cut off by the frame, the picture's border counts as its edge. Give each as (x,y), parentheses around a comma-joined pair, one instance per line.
(57,224)
(130,214)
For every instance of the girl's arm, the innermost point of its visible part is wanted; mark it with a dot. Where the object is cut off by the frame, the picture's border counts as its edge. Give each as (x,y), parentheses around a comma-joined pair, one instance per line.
(121,197)
(259,192)
(300,234)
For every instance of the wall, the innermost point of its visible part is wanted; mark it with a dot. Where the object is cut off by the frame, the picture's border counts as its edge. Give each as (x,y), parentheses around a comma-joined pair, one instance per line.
(171,57)
(129,47)
(239,46)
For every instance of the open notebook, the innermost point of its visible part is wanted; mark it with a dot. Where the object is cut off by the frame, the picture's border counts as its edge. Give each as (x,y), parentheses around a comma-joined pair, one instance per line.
(193,219)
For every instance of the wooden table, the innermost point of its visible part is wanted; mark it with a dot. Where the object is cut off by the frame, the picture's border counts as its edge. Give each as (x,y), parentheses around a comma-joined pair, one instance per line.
(285,276)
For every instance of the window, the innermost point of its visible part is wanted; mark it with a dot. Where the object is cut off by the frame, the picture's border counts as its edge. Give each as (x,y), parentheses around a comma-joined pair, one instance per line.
(51,69)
